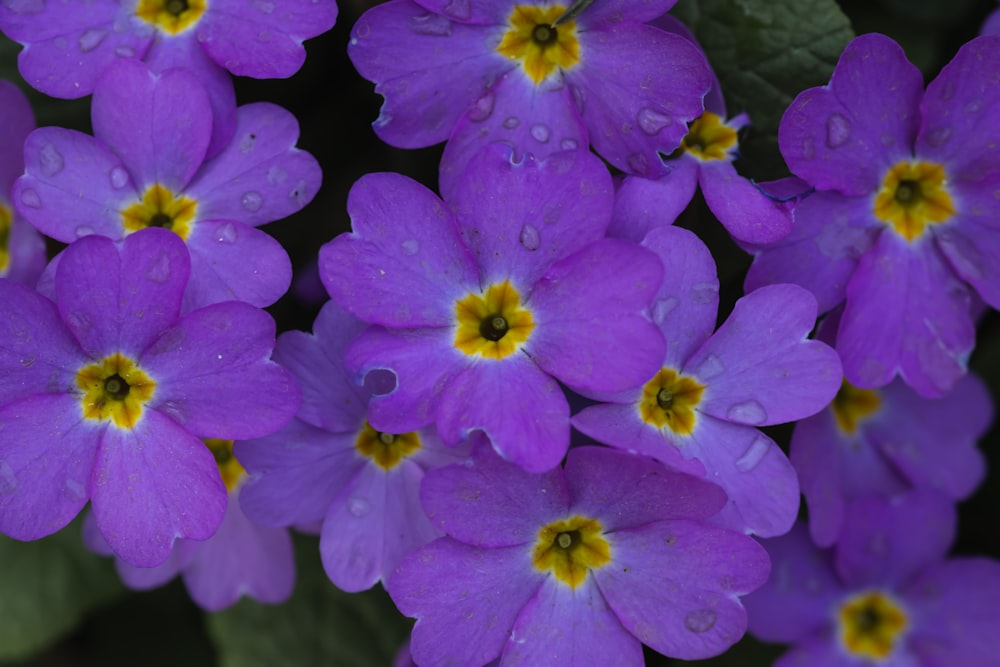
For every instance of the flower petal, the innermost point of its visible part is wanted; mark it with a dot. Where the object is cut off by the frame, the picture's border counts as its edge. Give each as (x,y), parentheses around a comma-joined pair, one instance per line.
(745,211)
(643,204)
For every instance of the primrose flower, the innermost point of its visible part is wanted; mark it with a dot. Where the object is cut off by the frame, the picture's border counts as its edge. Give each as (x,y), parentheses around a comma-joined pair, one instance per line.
(105,393)
(22,249)
(329,465)
(699,411)
(885,595)
(241,558)
(485,302)
(502,70)
(146,167)
(902,226)
(578,566)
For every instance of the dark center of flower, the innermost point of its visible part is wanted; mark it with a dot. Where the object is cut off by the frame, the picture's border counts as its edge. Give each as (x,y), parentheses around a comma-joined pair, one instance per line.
(176,7)
(221,454)
(568,539)
(116,387)
(386,438)
(867,620)
(493,327)
(907,192)
(544,35)
(161,220)
(665,399)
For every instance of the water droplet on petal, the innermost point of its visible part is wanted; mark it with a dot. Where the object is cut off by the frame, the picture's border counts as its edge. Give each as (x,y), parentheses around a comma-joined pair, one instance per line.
(30,198)
(947,91)
(28,362)
(700,620)
(568,144)
(410,247)
(83,230)
(747,412)
(298,194)
(511,122)
(276,175)
(247,142)
(579,97)
(652,121)
(710,368)
(530,238)
(973,107)
(458,9)
(887,139)
(754,454)
(430,24)
(8,480)
(704,293)
(159,270)
(50,160)
(90,39)
(251,201)
(638,163)
(75,490)
(662,308)
(263,6)
(125,52)
(939,136)
(358,507)
(226,233)
(838,130)
(483,107)
(808,149)
(119,178)
(540,133)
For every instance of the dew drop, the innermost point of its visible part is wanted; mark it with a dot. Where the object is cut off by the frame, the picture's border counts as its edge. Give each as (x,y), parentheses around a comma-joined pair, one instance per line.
(838,130)
(458,9)
(410,247)
(947,91)
(540,133)
(247,142)
(264,36)
(276,175)
(568,144)
(704,293)
(747,412)
(511,122)
(887,139)
(483,107)
(663,307)
(579,97)
(119,178)
(30,198)
(50,160)
(808,148)
(8,480)
(91,39)
(530,238)
(652,121)
(75,490)
(939,136)
(159,271)
(700,620)
(638,163)
(28,362)
(83,230)
(263,6)
(251,201)
(226,233)
(125,52)
(358,507)
(973,107)
(710,368)
(298,194)
(754,454)
(430,24)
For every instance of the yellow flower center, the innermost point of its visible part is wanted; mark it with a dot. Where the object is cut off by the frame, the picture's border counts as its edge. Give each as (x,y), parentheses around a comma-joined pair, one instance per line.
(116,389)
(538,45)
(171,16)
(871,624)
(229,467)
(709,138)
(851,406)
(492,325)
(6,218)
(386,450)
(914,195)
(159,208)
(570,548)
(669,400)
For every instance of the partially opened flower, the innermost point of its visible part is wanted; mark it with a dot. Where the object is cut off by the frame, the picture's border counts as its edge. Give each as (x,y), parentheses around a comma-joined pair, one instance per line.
(105,393)
(577,566)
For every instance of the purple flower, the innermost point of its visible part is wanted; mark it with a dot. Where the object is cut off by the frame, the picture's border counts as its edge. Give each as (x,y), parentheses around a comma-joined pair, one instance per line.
(477,71)
(580,565)
(104,394)
(22,249)
(484,305)
(329,465)
(241,558)
(991,26)
(885,595)
(903,225)
(698,412)
(146,166)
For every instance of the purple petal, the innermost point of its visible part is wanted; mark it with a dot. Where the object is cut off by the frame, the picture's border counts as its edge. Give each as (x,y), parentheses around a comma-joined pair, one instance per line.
(26,251)
(153,484)
(130,101)
(465,599)
(970,240)
(906,313)
(746,212)
(642,204)
(843,136)
(675,585)
(823,649)
(17,121)
(570,626)
(759,368)
(405,264)
(613,11)
(46,457)
(519,218)
(487,12)
(488,502)
(260,176)
(587,313)
(146,578)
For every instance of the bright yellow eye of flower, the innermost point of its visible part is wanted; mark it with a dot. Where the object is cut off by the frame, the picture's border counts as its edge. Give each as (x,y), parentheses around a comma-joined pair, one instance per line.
(229,467)
(171,16)
(851,406)
(386,450)
(493,325)
(871,624)
(5,221)
(115,389)
(914,195)
(709,138)
(669,400)
(539,46)
(159,208)
(571,548)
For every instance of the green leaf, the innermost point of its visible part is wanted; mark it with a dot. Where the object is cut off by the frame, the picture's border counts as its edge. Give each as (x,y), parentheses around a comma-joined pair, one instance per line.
(765,52)
(46,587)
(319,625)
